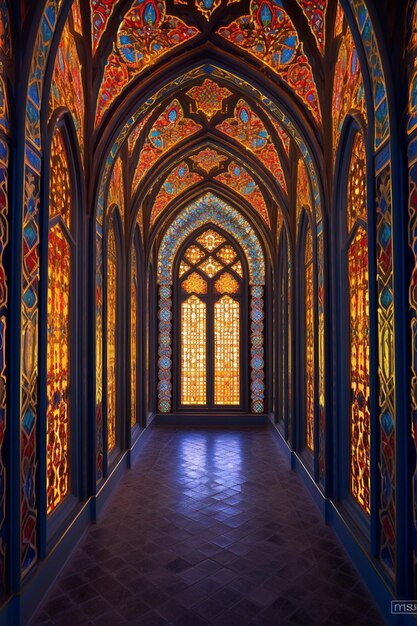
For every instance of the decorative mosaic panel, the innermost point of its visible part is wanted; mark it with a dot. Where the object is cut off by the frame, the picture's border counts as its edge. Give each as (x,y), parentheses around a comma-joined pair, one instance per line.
(269,35)
(226,351)
(247,128)
(67,83)
(257,353)
(58,383)
(165,350)
(4,239)
(116,196)
(99,351)
(177,181)
(315,12)
(170,128)
(208,98)
(133,340)
(208,209)
(348,89)
(375,68)
(386,367)
(210,239)
(145,34)
(194,283)
(101,11)
(111,338)
(338,23)
(193,352)
(207,160)
(5,39)
(239,179)
(309,339)
(412,67)
(304,200)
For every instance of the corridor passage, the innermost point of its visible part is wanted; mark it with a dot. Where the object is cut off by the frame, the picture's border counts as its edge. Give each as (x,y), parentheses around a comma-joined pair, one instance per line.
(209,527)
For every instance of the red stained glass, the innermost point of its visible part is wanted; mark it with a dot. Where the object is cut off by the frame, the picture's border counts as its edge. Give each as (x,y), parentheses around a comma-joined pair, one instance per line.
(239,179)
(315,11)
(176,182)
(208,98)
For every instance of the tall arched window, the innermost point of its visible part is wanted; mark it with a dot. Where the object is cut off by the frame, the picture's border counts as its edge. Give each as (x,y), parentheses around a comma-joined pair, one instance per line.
(283,334)
(61,243)
(209,290)
(134,338)
(113,282)
(356,254)
(309,339)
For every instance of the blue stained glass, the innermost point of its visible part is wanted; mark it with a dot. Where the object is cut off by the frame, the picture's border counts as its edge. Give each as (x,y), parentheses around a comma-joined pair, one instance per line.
(169,188)
(51,14)
(46,31)
(236,171)
(386,298)
(385,235)
(29,297)
(387,423)
(172,115)
(181,171)
(149,14)
(244,115)
(266,15)
(28,421)
(208,4)
(30,235)
(289,52)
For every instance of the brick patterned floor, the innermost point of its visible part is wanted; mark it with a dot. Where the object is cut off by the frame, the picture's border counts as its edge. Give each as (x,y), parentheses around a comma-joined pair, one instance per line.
(209,527)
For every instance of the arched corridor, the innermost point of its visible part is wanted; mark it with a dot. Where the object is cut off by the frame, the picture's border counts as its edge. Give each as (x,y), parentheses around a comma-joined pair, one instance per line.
(216,529)
(208,218)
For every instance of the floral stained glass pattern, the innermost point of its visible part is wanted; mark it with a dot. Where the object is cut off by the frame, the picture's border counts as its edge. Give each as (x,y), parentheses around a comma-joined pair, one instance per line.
(101,11)
(304,200)
(227,254)
(269,35)
(226,352)
(165,349)
(145,34)
(208,160)
(208,98)
(116,189)
(239,179)
(194,284)
(210,240)
(315,11)
(193,352)
(210,266)
(194,254)
(170,128)
(226,284)
(248,129)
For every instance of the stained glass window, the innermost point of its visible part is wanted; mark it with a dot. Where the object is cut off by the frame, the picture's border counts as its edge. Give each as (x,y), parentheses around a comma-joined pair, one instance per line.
(309,339)
(133,340)
(177,181)
(359,328)
(58,386)
(226,350)
(208,98)
(239,179)
(193,352)
(213,318)
(111,336)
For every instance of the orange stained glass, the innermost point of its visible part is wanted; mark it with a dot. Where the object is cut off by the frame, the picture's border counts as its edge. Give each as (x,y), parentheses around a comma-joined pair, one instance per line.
(133,342)
(338,24)
(177,181)
(194,254)
(309,341)
(58,368)
(269,35)
(60,186)
(116,189)
(303,189)
(226,352)
(226,284)
(194,284)
(208,159)
(247,128)
(227,254)
(111,339)
(145,34)
(210,240)
(193,352)
(360,436)
(348,88)
(357,183)
(183,268)
(208,98)
(67,87)
(170,128)
(210,267)
(239,179)
(237,267)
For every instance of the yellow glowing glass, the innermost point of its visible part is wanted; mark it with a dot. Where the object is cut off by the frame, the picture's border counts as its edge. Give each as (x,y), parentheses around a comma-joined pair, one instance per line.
(227,254)
(226,352)
(194,284)
(210,240)
(194,254)
(193,352)
(210,267)
(111,339)
(309,340)
(226,284)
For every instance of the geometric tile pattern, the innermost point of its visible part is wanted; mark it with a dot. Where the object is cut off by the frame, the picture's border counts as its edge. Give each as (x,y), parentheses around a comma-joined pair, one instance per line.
(209,527)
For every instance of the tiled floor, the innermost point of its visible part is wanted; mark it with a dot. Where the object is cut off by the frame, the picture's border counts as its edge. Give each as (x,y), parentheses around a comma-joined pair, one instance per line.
(209,527)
